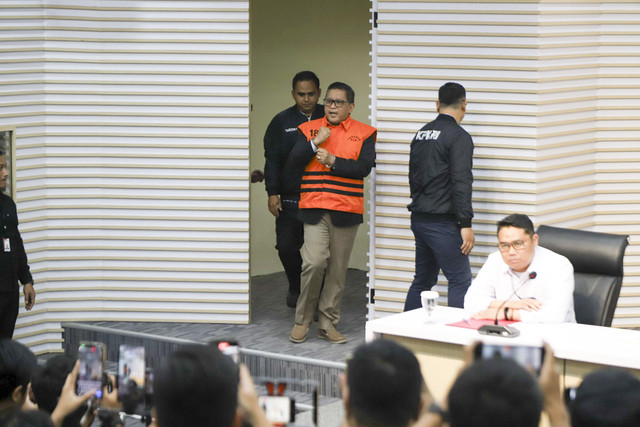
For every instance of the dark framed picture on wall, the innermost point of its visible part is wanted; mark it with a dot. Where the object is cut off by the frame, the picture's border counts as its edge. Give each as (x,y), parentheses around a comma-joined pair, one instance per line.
(6,146)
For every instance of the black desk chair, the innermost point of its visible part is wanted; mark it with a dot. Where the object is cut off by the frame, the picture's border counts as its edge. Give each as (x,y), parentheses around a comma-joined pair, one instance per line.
(597,264)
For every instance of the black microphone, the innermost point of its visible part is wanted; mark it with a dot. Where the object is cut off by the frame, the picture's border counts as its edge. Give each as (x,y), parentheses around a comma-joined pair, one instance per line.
(495,320)
(504,331)
(532,276)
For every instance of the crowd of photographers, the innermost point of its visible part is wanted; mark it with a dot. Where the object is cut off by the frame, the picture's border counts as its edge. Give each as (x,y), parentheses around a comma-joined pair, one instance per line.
(382,387)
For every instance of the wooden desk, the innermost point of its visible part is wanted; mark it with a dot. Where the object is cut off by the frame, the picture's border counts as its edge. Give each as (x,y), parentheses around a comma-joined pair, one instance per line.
(579,349)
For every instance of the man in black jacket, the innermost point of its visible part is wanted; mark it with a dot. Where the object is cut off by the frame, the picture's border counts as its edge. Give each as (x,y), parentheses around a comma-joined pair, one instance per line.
(440,178)
(283,186)
(13,261)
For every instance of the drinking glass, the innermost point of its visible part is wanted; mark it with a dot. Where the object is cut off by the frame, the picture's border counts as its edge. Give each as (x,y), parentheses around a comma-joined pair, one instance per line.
(429,302)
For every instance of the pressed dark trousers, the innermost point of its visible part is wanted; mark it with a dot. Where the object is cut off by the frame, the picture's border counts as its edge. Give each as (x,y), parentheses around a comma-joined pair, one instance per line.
(289,240)
(438,247)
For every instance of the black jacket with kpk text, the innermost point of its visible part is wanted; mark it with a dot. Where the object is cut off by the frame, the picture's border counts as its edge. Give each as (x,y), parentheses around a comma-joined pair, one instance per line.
(440,175)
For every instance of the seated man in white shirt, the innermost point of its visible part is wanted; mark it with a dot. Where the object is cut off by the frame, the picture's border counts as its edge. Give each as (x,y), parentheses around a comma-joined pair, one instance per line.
(522,281)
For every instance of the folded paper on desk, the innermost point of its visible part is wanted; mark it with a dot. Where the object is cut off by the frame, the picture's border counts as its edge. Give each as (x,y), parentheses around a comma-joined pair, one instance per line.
(477,323)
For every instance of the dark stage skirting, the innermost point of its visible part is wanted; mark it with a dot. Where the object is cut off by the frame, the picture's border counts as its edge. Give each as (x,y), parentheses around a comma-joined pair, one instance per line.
(269,352)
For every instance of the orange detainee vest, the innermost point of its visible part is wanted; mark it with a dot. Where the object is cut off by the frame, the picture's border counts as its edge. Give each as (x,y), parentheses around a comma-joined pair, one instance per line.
(321,188)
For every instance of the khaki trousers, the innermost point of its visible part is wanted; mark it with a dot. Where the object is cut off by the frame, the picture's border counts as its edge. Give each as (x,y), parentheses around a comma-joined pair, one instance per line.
(325,253)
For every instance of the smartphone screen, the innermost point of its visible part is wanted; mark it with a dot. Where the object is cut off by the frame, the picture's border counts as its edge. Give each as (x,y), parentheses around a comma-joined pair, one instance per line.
(131,372)
(91,357)
(530,357)
(278,409)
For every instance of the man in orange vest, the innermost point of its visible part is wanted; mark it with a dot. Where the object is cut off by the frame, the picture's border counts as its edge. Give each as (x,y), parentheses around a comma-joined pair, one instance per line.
(336,153)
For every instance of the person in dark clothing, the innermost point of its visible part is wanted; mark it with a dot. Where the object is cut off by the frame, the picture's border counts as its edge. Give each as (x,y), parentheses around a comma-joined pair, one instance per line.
(283,186)
(382,386)
(47,382)
(607,398)
(14,266)
(199,386)
(17,364)
(440,180)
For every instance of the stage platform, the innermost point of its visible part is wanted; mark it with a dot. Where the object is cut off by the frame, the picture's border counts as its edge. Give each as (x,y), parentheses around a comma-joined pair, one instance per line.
(267,350)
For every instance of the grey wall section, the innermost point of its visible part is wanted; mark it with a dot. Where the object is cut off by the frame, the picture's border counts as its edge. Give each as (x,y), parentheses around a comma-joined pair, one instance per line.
(331,38)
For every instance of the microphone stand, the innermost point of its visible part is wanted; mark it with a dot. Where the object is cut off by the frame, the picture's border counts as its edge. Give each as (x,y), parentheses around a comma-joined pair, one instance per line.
(499,330)
(503,330)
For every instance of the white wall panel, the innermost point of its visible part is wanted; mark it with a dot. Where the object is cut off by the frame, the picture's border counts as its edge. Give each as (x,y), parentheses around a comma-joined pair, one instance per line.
(131,125)
(553,112)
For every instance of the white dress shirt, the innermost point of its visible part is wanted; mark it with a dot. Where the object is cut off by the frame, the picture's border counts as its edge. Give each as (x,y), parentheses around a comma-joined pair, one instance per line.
(552,285)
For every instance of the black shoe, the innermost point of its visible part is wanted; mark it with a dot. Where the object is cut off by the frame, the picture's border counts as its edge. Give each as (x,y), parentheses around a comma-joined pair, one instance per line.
(292,299)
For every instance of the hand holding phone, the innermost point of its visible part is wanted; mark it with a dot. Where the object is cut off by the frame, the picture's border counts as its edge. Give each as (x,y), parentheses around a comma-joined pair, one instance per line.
(529,357)
(131,376)
(91,357)
(230,348)
(69,399)
(248,398)
(279,410)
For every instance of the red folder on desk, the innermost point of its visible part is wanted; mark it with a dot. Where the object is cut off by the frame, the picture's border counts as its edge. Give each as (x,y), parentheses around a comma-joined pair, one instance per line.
(477,323)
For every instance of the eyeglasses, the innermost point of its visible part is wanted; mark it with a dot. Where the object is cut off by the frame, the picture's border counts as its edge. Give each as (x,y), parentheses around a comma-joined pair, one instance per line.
(337,102)
(518,245)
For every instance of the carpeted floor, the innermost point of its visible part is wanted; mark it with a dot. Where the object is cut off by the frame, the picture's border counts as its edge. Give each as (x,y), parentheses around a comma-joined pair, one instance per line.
(272,321)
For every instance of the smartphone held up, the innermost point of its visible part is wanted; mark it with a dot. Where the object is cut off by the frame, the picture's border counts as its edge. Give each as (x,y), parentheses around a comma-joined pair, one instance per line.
(91,356)
(131,376)
(530,357)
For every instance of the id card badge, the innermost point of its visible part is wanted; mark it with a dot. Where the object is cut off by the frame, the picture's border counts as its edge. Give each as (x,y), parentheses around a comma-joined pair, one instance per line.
(6,243)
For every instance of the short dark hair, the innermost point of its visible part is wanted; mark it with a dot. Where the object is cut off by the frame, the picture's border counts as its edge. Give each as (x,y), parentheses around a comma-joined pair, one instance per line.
(47,382)
(304,76)
(518,221)
(17,363)
(495,393)
(351,95)
(197,386)
(607,398)
(452,95)
(385,383)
